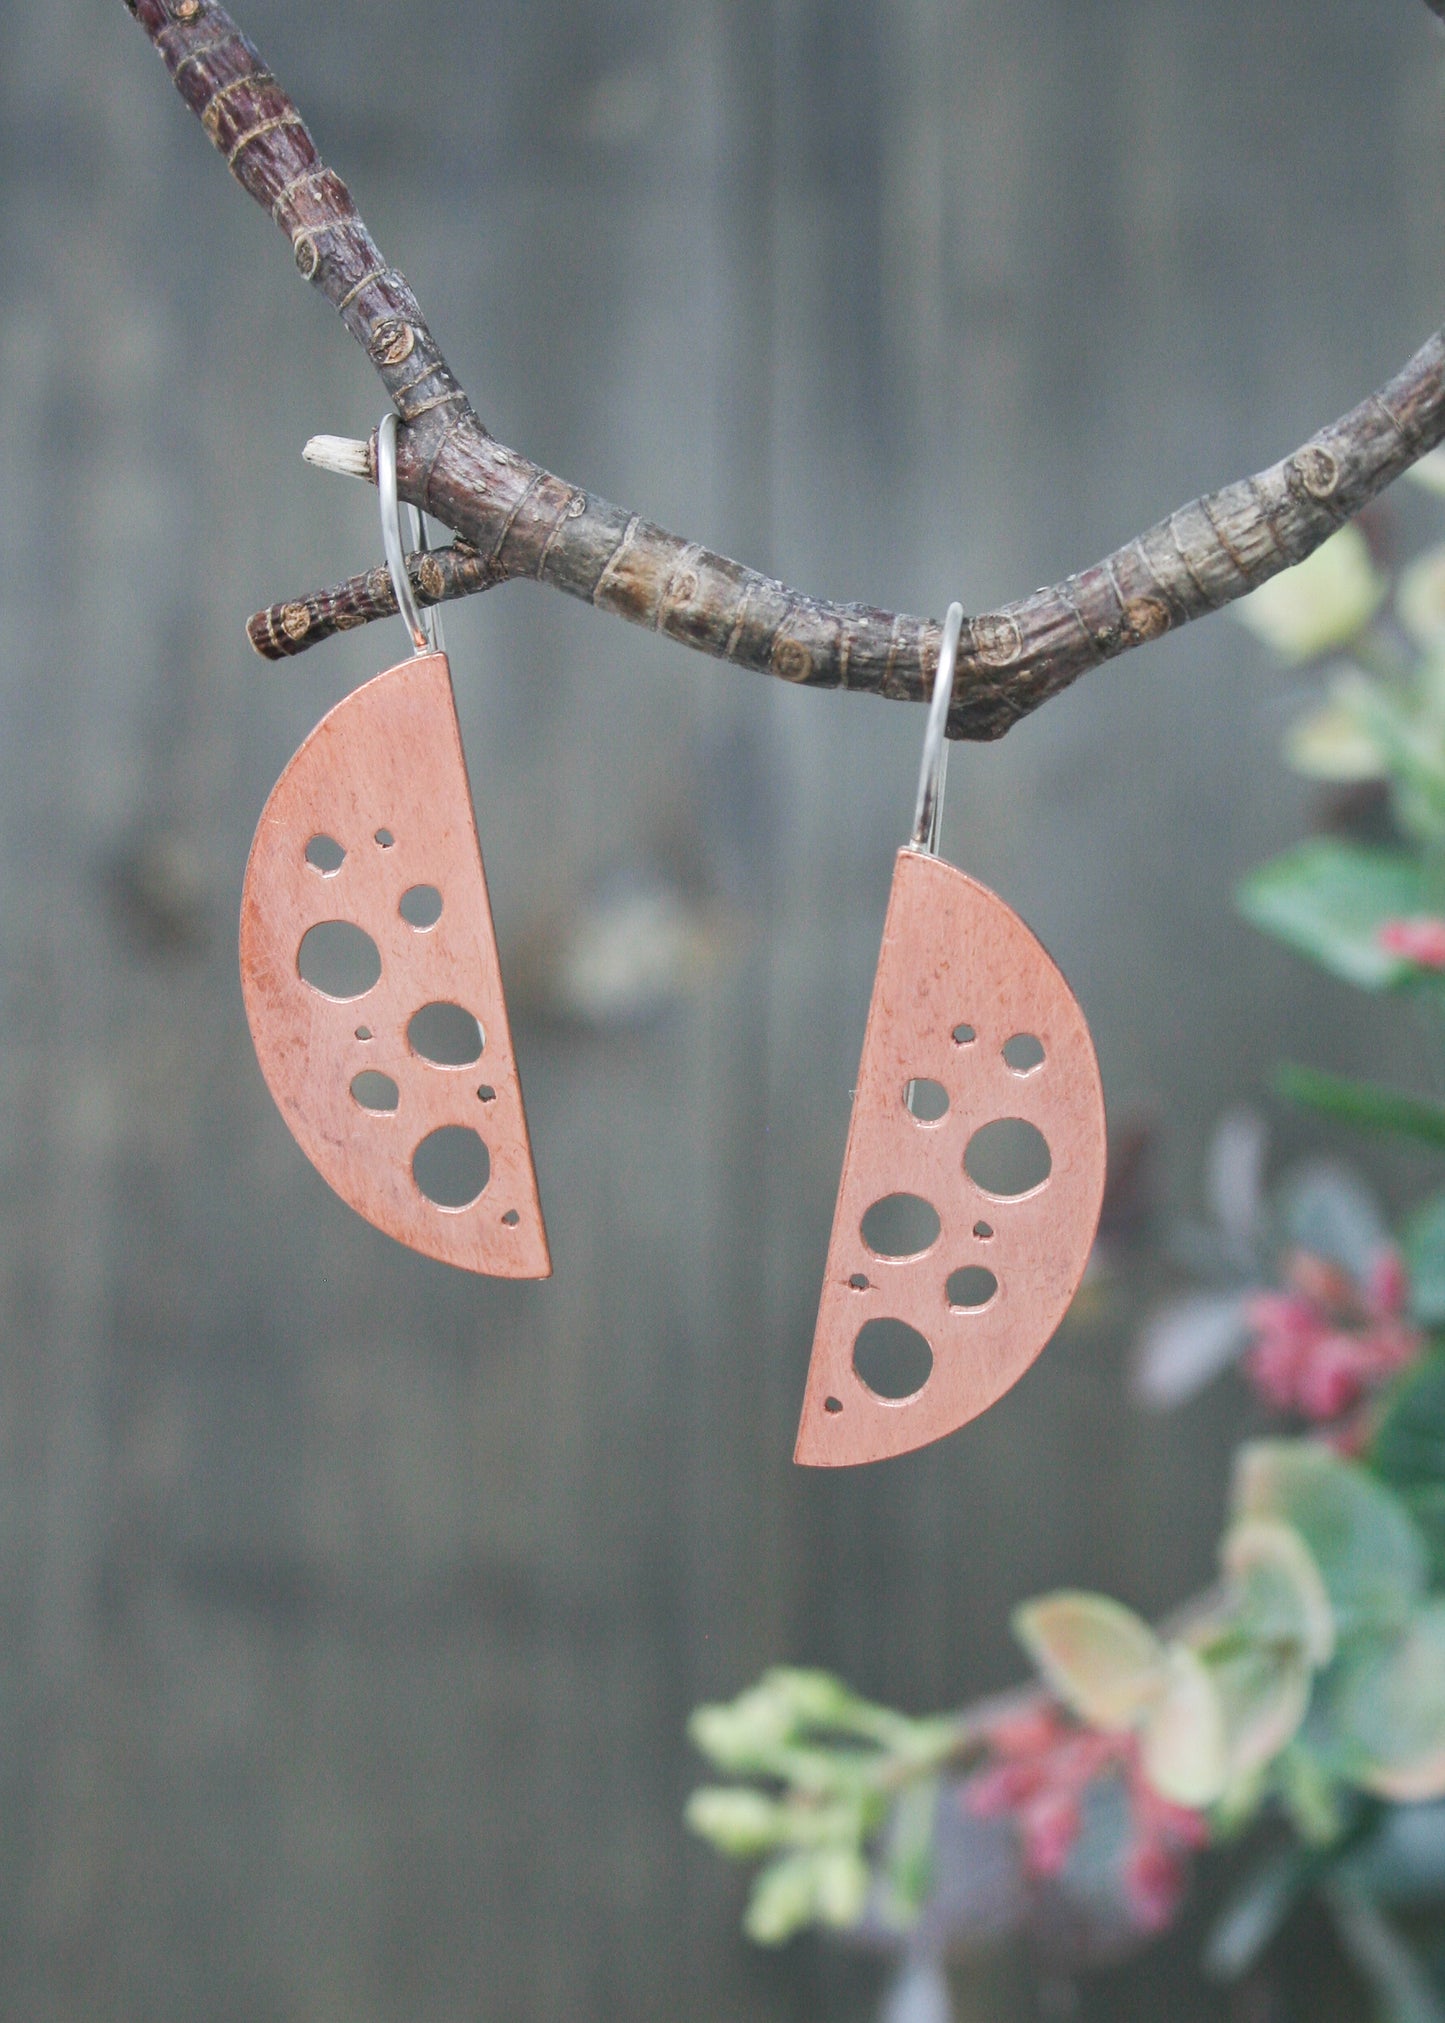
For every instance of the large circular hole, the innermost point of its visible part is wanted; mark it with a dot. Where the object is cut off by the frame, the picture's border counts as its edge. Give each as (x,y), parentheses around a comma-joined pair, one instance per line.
(902,1225)
(375,1091)
(892,1359)
(451,1166)
(339,959)
(927,1101)
(325,854)
(447,1035)
(420,906)
(1024,1052)
(1008,1158)
(971,1288)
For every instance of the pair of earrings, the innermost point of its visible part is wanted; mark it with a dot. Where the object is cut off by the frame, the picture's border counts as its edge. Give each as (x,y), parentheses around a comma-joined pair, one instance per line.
(374,996)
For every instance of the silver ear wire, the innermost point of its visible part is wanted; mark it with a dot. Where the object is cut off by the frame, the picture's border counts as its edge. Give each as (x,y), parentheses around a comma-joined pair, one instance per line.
(391,532)
(928,815)
(431,614)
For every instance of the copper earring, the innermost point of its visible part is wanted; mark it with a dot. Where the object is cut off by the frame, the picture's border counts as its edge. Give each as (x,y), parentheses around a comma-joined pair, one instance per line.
(369,965)
(976,1062)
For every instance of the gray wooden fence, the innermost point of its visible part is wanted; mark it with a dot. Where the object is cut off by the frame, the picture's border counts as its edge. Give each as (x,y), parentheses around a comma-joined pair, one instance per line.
(352,1608)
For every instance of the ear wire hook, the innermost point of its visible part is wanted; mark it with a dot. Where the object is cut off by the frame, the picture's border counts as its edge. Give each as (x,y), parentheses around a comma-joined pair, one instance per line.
(391,532)
(431,614)
(928,815)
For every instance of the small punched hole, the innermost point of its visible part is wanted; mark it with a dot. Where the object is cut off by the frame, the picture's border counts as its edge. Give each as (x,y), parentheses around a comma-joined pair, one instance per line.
(983,1230)
(964,1036)
(1024,1052)
(339,959)
(487,1093)
(901,1225)
(375,1091)
(511,1218)
(363,1032)
(384,838)
(325,854)
(420,906)
(447,1035)
(971,1288)
(860,1282)
(832,1404)
(927,1101)
(1008,1158)
(451,1166)
(892,1359)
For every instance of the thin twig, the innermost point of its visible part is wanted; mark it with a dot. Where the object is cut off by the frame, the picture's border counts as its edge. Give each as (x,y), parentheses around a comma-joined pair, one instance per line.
(520,521)
(436,576)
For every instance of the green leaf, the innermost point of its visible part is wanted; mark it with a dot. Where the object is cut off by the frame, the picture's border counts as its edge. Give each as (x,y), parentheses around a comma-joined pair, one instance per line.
(1103,1661)
(1364,1104)
(1408,1451)
(829,1887)
(1265,1695)
(1424,1249)
(1420,597)
(740,1823)
(1310,1796)
(1388,1708)
(1328,900)
(1185,1750)
(908,1856)
(1359,1535)
(1319,605)
(760,1733)
(1335,740)
(1277,1591)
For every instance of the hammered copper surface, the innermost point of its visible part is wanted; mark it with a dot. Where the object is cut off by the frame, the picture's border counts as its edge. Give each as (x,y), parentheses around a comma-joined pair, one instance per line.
(954,956)
(384,776)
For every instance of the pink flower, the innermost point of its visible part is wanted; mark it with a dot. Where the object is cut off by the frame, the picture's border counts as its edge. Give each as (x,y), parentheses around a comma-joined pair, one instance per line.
(1043,1767)
(1154,1878)
(1323,1344)
(1420,940)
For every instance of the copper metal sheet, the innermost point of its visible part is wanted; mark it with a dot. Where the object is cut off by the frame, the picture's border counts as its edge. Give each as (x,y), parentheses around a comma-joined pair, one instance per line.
(954,955)
(389,759)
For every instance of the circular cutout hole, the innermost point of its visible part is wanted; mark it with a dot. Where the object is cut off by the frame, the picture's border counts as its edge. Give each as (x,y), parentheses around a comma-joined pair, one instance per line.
(983,1230)
(339,959)
(420,906)
(451,1166)
(971,1288)
(363,1032)
(902,1225)
(892,1359)
(964,1036)
(487,1094)
(1024,1052)
(325,854)
(832,1404)
(511,1218)
(925,1100)
(1008,1158)
(385,838)
(447,1035)
(375,1091)
(860,1282)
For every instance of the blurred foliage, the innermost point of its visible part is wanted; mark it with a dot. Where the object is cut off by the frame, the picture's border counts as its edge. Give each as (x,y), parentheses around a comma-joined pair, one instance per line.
(1301,1701)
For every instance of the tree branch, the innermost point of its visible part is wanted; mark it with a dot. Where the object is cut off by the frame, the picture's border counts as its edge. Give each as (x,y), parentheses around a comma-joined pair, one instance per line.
(516,520)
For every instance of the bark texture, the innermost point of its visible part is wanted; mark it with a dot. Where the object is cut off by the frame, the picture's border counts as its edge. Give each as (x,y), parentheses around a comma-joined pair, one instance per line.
(515,519)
